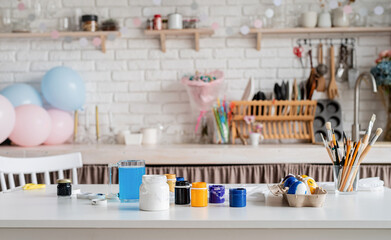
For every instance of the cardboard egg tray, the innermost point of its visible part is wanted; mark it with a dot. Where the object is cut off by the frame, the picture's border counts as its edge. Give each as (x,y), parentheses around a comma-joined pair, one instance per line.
(295,200)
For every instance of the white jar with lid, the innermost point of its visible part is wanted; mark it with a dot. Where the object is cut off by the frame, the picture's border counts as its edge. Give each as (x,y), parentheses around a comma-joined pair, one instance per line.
(154,193)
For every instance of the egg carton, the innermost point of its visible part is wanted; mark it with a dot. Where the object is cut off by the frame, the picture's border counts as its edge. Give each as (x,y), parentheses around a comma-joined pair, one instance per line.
(295,200)
(328,111)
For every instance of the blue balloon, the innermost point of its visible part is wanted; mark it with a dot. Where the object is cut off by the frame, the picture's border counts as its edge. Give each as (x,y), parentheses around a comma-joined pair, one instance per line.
(20,94)
(64,89)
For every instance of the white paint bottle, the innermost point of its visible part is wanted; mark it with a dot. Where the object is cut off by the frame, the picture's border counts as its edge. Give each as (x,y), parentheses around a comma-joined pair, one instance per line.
(154,193)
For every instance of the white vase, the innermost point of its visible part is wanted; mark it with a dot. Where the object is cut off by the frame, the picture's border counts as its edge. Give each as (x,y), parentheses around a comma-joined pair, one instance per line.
(340,18)
(309,19)
(324,19)
(254,138)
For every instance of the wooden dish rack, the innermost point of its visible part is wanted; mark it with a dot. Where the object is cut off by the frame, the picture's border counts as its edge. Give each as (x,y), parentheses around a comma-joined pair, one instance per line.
(281,119)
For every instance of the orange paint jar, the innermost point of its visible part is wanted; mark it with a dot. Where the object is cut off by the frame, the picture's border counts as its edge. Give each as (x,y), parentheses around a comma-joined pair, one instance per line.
(199,194)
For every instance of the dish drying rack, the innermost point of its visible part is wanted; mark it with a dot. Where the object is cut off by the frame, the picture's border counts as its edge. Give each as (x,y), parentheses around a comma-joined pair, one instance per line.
(281,119)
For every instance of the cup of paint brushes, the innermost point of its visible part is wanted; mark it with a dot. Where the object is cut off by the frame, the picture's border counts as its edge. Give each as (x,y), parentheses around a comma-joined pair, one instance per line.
(346,179)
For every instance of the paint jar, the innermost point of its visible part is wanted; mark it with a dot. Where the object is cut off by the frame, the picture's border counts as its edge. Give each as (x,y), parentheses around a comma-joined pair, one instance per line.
(154,193)
(171,179)
(237,197)
(182,192)
(157,22)
(199,194)
(346,179)
(64,187)
(216,194)
(89,23)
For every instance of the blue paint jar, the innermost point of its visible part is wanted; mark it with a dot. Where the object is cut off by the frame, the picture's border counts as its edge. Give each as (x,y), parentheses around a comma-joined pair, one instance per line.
(237,197)
(216,194)
(180,179)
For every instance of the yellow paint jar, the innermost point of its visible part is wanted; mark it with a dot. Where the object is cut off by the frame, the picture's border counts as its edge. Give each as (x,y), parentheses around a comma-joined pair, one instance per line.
(171,179)
(199,194)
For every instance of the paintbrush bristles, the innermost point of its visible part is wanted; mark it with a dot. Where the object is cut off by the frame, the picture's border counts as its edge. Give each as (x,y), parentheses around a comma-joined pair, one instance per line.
(377,134)
(328,125)
(373,118)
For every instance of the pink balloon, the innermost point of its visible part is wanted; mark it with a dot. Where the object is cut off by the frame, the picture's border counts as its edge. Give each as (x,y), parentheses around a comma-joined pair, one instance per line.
(7,118)
(32,126)
(62,127)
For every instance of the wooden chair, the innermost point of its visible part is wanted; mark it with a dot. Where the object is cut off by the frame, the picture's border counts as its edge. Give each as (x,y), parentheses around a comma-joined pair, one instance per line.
(32,166)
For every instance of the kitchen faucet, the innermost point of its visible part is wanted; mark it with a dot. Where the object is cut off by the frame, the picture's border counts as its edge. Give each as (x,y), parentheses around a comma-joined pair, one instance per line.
(356,126)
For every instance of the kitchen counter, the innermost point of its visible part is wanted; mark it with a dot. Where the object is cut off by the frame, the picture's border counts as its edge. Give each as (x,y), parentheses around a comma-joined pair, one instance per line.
(40,213)
(193,154)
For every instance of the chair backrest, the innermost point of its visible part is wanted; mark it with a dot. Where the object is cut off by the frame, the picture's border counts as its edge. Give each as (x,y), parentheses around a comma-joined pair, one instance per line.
(45,165)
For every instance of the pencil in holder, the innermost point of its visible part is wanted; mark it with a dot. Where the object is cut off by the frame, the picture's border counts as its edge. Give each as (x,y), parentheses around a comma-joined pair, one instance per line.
(346,179)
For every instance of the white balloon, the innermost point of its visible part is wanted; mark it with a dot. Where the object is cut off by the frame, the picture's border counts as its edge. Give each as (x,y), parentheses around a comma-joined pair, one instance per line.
(277,2)
(333,4)
(269,13)
(379,10)
(244,30)
(83,42)
(157,2)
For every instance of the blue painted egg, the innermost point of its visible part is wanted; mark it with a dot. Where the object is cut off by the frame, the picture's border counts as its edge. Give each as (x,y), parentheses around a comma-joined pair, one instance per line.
(289,181)
(298,188)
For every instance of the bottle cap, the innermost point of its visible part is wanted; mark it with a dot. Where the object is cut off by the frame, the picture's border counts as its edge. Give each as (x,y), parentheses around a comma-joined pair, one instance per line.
(241,191)
(64,181)
(182,183)
(157,16)
(180,179)
(198,185)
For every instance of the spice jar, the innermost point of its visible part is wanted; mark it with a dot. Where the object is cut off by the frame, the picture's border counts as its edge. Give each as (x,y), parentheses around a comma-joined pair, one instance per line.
(89,23)
(164,23)
(154,193)
(199,194)
(182,192)
(216,194)
(149,24)
(64,187)
(237,197)
(157,22)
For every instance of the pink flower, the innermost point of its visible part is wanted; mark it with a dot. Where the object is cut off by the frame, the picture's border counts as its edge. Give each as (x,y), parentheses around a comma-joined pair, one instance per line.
(383,54)
(388,53)
(378,60)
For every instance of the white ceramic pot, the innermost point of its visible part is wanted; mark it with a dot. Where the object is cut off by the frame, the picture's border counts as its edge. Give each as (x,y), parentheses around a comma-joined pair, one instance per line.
(324,19)
(309,19)
(150,136)
(175,21)
(340,18)
(254,138)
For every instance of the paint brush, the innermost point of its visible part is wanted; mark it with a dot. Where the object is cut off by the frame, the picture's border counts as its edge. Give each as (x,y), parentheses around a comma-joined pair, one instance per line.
(97,122)
(369,130)
(329,133)
(76,123)
(327,148)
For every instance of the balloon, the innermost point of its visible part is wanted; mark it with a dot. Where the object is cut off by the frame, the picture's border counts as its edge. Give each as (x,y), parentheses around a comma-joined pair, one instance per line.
(20,93)
(62,127)
(64,89)
(32,126)
(7,118)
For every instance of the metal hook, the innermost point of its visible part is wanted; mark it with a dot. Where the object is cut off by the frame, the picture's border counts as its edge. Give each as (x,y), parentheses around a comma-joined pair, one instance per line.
(305,41)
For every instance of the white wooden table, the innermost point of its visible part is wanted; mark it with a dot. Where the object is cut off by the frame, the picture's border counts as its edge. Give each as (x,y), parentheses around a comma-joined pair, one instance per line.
(39,214)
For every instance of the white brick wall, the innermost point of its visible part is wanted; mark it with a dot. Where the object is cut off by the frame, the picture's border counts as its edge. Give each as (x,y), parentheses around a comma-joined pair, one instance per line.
(141,86)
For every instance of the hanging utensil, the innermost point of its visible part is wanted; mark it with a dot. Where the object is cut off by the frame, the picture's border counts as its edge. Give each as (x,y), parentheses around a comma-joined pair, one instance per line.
(332,90)
(342,66)
(353,71)
(298,51)
(312,79)
(321,69)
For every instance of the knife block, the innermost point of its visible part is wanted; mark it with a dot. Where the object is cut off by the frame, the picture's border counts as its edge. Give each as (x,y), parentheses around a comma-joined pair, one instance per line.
(281,119)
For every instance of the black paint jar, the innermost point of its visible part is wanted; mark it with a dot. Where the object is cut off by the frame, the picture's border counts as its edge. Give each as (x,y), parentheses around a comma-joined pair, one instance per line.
(182,192)
(64,187)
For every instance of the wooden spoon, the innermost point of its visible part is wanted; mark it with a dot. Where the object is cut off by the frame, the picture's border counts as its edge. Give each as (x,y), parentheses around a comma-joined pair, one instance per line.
(322,70)
(333,88)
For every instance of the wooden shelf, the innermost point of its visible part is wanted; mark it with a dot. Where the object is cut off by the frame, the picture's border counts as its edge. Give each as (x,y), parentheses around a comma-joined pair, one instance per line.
(193,31)
(347,30)
(102,34)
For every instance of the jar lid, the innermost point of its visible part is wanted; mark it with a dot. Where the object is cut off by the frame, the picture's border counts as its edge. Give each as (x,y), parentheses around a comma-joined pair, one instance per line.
(182,183)
(154,178)
(64,181)
(216,188)
(240,191)
(170,176)
(180,179)
(85,18)
(157,15)
(198,185)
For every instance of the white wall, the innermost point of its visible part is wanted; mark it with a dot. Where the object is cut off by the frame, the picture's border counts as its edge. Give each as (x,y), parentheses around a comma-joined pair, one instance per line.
(141,85)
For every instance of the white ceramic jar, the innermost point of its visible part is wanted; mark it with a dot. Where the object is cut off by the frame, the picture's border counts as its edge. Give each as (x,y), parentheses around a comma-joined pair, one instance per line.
(154,193)
(340,18)
(175,21)
(324,19)
(150,136)
(309,19)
